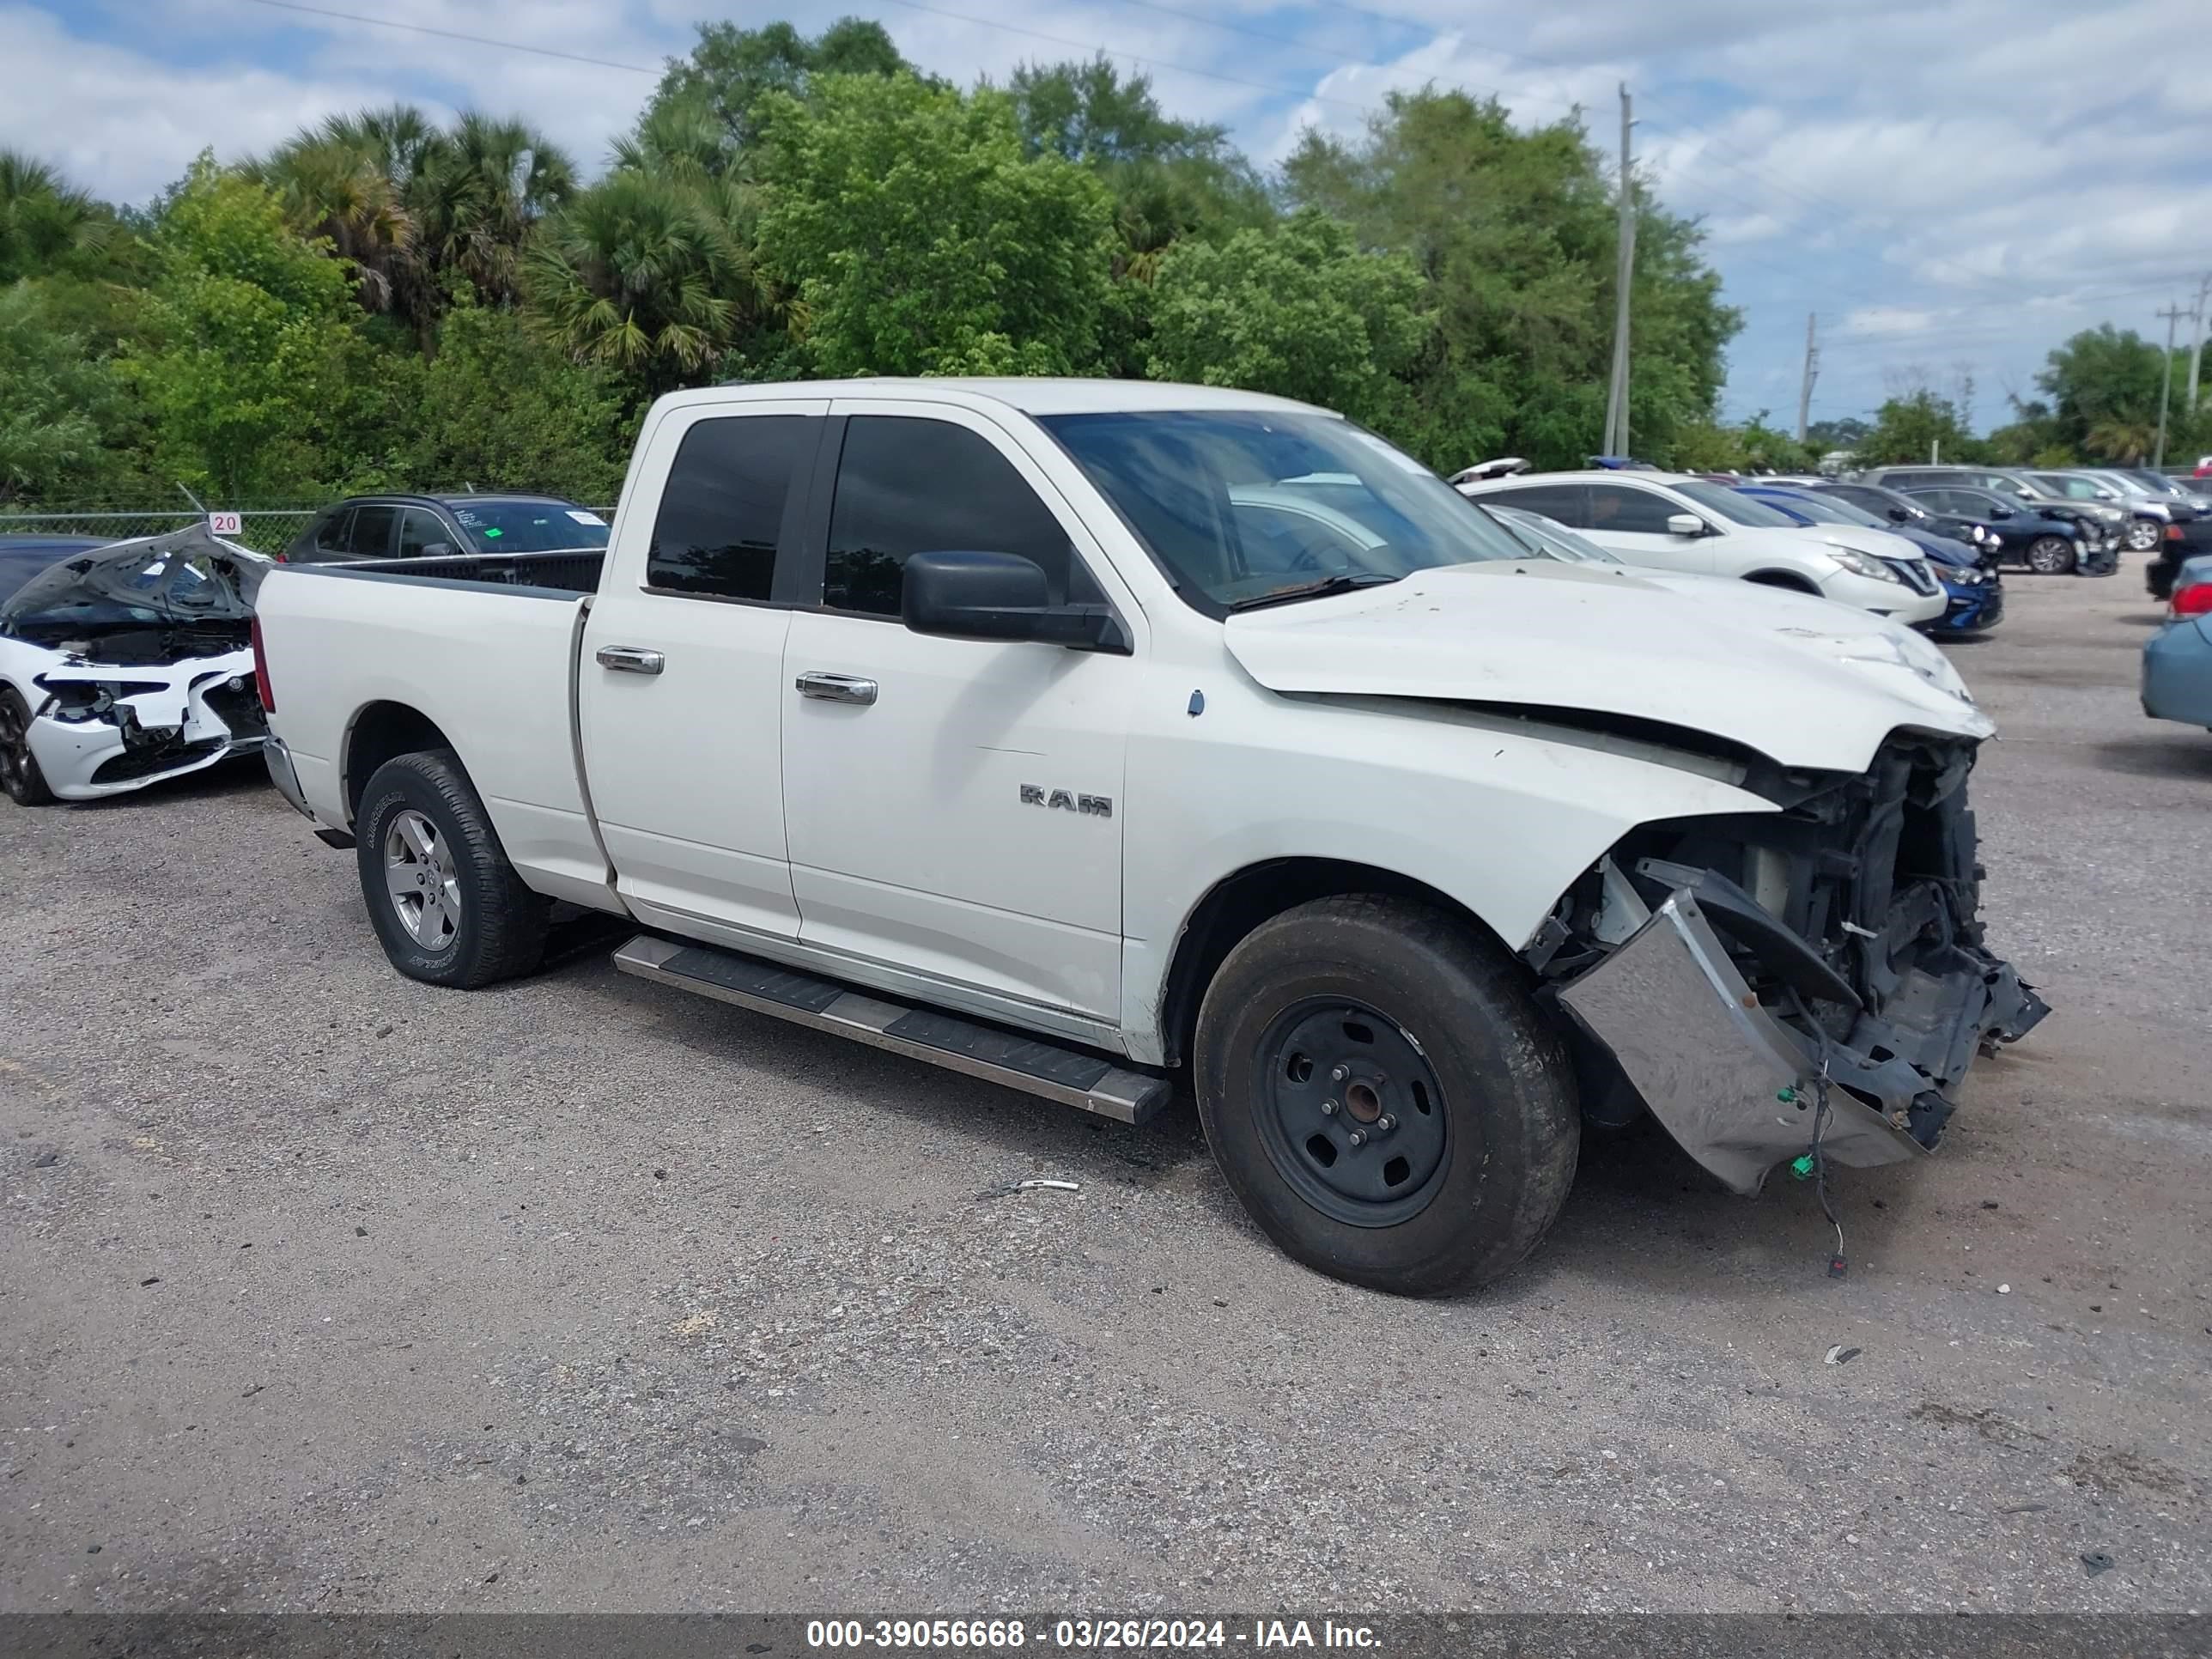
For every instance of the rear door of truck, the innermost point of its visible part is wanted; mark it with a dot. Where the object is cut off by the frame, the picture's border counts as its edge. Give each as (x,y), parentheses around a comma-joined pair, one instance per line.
(682,679)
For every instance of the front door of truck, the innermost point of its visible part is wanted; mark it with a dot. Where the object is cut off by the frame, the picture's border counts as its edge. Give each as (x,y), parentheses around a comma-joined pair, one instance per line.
(954,806)
(681,689)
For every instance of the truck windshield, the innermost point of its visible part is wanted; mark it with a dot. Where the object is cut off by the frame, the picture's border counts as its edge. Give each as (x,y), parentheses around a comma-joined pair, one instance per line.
(1242,507)
(497,526)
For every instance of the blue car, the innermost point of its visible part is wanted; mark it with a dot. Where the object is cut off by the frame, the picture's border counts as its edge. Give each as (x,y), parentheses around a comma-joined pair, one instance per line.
(22,557)
(1973,590)
(2176,680)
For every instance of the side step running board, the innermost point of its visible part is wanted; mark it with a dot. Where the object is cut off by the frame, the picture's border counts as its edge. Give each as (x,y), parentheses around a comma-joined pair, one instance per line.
(1073,1077)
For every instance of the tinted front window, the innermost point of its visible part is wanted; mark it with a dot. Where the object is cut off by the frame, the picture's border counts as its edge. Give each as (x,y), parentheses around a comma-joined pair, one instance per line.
(330,533)
(1734,506)
(372,531)
(1176,477)
(907,485)
(419,533)
(722,509)
(508,526)
(1619,510)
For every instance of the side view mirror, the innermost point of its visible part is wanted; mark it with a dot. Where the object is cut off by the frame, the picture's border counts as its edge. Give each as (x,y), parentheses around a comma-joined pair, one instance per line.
(2000,512)
(1685,524)
(999,596)
(1900,515)
(437,550)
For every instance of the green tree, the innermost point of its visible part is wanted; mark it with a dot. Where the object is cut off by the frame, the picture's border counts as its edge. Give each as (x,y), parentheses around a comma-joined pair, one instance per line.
(415,208)
(1298,309)
(500,408)
(482,188)
(1911,428)
(255,370)
(918,238)
(2103,386)
(46,224)
(731,72)
(1170,178)
(651,271)
(56,400)
(1514,233)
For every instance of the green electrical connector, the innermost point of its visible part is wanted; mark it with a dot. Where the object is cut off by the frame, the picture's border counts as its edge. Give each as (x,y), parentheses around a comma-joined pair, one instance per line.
(1788,1097)
(1801,1166)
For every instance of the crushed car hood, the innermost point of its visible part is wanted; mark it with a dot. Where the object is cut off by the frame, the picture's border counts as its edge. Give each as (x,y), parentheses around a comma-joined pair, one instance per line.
(1803,681)
(163,599)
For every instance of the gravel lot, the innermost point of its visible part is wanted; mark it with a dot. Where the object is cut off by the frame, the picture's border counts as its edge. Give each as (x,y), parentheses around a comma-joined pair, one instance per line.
(321,1289)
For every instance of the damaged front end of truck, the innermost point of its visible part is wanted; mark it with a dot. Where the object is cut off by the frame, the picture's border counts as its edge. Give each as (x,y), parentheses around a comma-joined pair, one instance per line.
(1812,980)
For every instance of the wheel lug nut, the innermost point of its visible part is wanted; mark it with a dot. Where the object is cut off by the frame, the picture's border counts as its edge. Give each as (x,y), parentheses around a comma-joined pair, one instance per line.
(1360,1137)
(1339,1074)
(1328,1108)
(1385,1123)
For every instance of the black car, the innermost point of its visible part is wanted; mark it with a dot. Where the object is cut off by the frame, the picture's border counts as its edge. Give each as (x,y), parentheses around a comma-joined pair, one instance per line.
(2050,540)
(2189,537)
(22,557)
(440,526)
(1901,508)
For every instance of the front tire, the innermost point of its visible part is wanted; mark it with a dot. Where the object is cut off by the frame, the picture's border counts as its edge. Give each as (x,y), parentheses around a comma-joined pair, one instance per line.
(2050,556)
(2143,536)
(19,767)
(1381,1095)
(447,905)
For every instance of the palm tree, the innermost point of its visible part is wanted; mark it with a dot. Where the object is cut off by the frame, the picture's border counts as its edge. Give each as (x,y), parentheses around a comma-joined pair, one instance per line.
(331,185)
(2117,438)
(44,220)
(481,188)
(650,271)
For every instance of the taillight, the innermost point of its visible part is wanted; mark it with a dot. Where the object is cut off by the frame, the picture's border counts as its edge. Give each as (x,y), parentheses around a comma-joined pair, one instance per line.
(261,671)
(2174,532)
(2194,600)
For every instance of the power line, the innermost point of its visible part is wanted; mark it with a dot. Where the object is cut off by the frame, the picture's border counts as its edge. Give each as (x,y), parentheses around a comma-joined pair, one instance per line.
(456,35)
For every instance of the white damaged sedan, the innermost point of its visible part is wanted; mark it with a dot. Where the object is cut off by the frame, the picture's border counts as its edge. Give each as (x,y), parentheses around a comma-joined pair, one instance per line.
(129,664)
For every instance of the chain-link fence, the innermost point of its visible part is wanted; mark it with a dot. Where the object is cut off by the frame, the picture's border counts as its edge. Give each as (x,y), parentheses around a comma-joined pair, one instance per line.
(265,529)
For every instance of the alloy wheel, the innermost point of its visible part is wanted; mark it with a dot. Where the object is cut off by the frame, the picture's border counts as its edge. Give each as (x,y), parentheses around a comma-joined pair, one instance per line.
(419,874)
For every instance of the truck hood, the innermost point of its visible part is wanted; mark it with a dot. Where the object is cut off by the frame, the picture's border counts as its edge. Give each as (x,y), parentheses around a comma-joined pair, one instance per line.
(1804,681)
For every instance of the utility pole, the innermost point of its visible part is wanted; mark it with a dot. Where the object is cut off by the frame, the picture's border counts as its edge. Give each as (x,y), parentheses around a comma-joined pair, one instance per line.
(1616,401)
(2173,315)
(2197,348)
(1804,389)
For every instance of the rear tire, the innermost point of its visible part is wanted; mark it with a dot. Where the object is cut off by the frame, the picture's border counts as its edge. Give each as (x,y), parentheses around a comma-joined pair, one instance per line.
(447,905)
(2052,555)
(19,767)
(1436,1033)
(2143,536)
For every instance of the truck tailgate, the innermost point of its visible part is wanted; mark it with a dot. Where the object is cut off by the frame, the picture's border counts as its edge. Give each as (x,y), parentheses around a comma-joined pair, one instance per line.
(490,667)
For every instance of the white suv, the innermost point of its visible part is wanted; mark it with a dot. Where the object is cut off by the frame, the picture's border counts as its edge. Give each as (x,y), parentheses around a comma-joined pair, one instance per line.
(1672,522)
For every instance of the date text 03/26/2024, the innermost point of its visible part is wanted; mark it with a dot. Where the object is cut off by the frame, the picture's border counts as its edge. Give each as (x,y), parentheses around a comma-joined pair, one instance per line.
(1085,1635)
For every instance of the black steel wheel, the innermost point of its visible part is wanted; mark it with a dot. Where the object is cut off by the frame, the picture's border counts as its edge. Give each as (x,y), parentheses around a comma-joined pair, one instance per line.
(1358,1126)
(1382,1095)
(19,767)
(2050,556)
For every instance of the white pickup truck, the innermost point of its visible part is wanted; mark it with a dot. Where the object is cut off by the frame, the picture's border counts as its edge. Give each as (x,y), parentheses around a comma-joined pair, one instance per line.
(1076,734)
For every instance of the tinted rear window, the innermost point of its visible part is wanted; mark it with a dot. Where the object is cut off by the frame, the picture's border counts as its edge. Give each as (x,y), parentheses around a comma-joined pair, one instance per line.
(721,512)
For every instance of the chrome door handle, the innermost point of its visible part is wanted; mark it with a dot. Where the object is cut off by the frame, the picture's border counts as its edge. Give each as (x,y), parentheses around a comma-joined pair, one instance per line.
(835,688)
(631,659)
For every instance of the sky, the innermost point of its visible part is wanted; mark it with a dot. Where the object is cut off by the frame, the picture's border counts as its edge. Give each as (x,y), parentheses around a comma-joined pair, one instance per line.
(1949,190)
